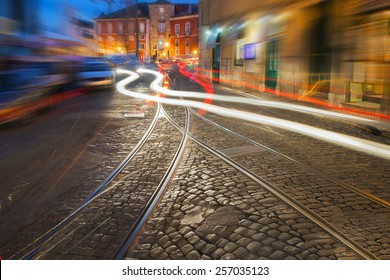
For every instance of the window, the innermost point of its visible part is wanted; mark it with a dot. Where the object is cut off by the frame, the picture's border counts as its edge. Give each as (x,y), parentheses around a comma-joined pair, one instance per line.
(131,37)
(142,36)
(187,42)
(188,28)
(154,47)
(161,26)
(238,55)
(162,10)
(250,51)
(131,27)
(142,27)
(176,51)
(188,51)
(142,46)
(98,28)
(177,42)
(177,29)
(120,27)
(109,28)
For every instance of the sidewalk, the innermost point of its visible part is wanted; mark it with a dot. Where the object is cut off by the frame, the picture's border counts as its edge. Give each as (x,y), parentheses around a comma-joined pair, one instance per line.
(374,125)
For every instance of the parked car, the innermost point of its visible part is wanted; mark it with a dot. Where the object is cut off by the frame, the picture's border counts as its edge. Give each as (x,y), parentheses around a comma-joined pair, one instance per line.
(31,84)
(130,62)
(97,74)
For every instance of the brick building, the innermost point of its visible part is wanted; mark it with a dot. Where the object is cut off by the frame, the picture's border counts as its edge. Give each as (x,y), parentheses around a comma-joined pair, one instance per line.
(184,32)
(117,32)
(157,24)
(332,51)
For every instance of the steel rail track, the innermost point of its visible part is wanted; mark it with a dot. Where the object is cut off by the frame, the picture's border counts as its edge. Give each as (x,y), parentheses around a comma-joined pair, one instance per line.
(362,252)
(156,196)
(45,238)
(373,198)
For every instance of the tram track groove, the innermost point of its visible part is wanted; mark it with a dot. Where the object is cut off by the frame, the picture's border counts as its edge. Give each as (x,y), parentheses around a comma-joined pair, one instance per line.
(49,235)
(375,199)
(305,211)
(136,227)
(40,253)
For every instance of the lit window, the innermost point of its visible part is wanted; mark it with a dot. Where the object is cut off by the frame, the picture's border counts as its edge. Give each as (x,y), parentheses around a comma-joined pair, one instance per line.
(162,10)
(131,27)
(142,46)
(177,29)
(98,28)
(120,27)
(161,26)
(142,27)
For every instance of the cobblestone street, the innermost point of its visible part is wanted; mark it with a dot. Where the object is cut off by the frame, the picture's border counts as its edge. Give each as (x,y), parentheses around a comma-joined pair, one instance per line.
(243,192)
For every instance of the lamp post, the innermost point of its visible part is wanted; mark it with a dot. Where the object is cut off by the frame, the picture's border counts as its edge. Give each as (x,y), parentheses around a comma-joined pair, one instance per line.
(167,46)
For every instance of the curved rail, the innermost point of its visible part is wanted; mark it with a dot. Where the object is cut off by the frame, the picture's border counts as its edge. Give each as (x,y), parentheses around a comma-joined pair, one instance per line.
(349,187)
(136,227)
(365,254)
(52,232)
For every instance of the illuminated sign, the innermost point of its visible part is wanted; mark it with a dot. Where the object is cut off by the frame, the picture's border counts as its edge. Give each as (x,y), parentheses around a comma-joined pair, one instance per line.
(250,51)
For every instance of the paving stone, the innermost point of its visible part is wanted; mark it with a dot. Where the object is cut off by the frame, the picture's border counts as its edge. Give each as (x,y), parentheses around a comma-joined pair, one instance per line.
(230,247)
(177,254)
(208,249)
(259,236)
(277,255)
(228,256)
(212,237)
(217,254)
(193,255)
(241,253)
(254,247)
(187,249)
(156,252)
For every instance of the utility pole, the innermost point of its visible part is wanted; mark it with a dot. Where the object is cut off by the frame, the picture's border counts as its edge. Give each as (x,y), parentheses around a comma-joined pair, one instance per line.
(136,29)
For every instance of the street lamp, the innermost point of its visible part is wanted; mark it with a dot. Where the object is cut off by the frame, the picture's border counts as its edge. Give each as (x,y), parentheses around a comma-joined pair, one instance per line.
(167,46)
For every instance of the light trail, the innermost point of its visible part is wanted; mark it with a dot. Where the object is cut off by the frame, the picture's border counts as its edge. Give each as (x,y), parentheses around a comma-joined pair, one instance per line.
(361,145)
(253,101)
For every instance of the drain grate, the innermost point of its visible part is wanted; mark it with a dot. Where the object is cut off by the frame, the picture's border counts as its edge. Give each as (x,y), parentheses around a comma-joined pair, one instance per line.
(240,151)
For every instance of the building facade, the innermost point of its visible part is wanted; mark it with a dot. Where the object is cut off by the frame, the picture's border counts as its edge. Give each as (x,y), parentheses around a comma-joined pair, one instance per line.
(120,32)
(184,39)
(116,32)
(160,12)
(326,50)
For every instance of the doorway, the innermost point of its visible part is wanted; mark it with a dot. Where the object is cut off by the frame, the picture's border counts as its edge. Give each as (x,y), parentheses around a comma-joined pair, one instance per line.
(271,66)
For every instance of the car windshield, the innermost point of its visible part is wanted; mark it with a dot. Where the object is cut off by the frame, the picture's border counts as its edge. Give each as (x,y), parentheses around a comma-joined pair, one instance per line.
(96,67)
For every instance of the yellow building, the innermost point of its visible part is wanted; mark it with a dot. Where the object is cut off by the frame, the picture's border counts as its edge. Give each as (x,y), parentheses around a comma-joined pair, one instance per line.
(333,51)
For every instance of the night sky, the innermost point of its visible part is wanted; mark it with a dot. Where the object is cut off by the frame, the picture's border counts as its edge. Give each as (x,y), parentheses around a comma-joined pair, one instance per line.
(88,8)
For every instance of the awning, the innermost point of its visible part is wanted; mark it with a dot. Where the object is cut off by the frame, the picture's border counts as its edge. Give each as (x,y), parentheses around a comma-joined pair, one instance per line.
(233,33)
(212,40)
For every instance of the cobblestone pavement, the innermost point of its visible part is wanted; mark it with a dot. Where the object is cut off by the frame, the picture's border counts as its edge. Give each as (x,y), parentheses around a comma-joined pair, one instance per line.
(210,210)
(213,212)
(110,144)
(103,224)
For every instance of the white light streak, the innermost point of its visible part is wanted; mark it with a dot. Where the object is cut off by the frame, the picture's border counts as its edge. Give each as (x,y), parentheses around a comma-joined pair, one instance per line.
(253,101)
(366,146)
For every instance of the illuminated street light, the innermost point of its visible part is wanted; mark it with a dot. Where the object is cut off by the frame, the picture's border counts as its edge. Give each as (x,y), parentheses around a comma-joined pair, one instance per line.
(167,46)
